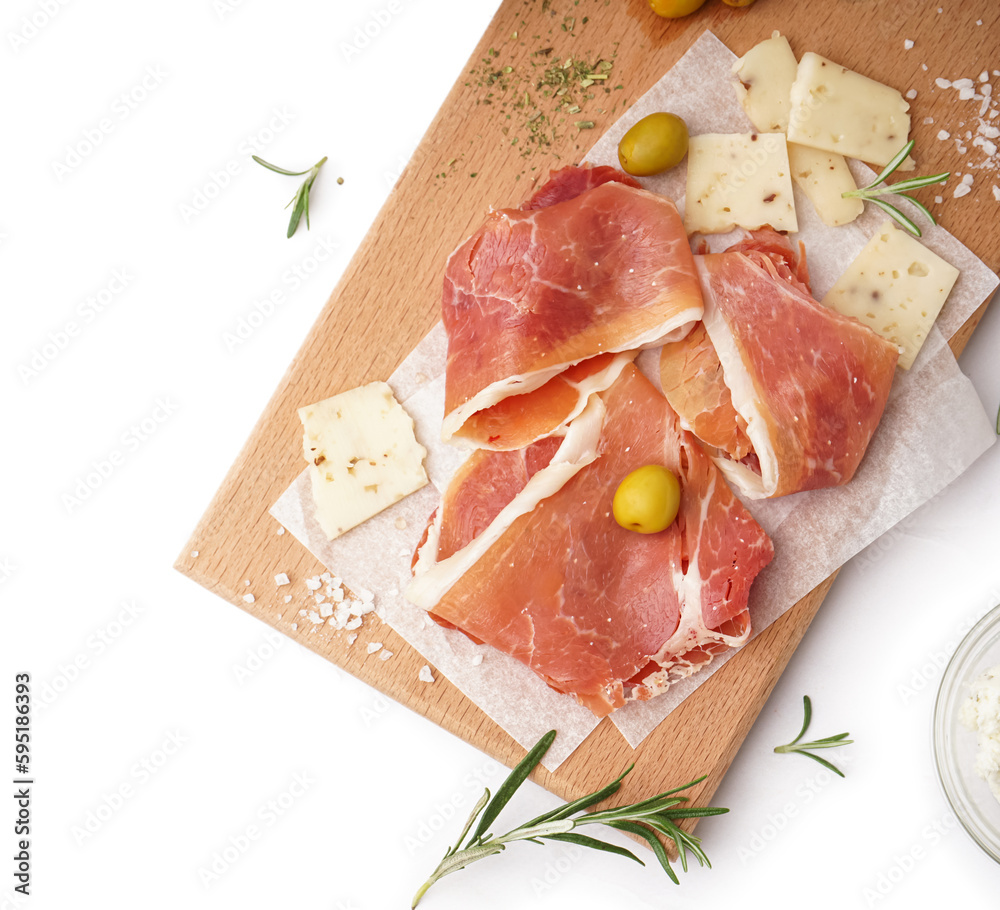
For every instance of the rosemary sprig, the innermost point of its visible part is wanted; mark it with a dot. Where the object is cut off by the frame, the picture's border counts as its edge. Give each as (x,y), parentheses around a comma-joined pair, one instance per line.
(831,742)
(301,197)
(870,194)
(646,819)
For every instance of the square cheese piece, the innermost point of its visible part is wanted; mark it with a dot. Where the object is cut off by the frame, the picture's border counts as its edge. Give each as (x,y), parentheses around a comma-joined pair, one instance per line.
(766,73)
(824,177)
(738,180)
(838,110)
(363,455)
(897,286)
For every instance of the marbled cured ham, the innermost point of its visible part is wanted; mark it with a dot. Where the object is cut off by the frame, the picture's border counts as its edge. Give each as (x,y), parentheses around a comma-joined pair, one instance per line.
(539,568)
(537,300)
(785,392)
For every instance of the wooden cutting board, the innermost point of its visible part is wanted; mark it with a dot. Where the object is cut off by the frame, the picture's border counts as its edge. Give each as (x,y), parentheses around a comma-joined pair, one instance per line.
(468,162)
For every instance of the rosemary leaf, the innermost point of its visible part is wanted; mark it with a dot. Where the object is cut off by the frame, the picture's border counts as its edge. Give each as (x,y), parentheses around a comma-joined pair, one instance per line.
(829,742)
(300,201)
(647,819)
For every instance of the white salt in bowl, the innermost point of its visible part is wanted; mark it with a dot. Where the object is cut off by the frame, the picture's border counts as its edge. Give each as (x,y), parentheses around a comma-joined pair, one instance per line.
(955,745)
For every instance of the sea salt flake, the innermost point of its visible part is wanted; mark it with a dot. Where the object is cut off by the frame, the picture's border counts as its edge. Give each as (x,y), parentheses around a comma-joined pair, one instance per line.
(908,44)
(326,610)
(353,637)
(280,531)
(943,134)
(942,83)
(928,120)
(938,199)
(281,579)
(477,660)
(353,624)
(425,674)
(963,189)
(249,598)
(984,76)
(194,554)
(288,598)
(911,94)
(315,618)
(314,584)
(374,646)
(385,655)
(996,192)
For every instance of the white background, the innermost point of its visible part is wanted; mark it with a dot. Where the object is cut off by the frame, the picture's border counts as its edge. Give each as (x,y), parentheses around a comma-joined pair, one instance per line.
(368,795)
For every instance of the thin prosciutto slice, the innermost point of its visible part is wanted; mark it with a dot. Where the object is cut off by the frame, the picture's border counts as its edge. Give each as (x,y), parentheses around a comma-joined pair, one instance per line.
(785,393)
(525,555)
(537,300)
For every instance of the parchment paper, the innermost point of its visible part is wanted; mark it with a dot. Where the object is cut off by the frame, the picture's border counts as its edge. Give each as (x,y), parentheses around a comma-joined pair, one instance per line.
(933,428)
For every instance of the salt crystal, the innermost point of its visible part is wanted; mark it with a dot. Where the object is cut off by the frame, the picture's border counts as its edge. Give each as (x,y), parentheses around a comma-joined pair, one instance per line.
(967,180)
(963,189)
(295,626)
(326,610)
(385,655)
(247,582)
(944,134)
(989,147)
(996,192)
(281,531)
(907,44)
(281,579)
(315,618)
(911,94)
(938,199)
(400,524)
(990,132)
(194,554)
(353,637)
(288,598)
(249,598)
(364,594)
(928,120)
(984,76)
(319,599)
(966,94)
(313,584)
(962,83)
(923,66)
(979,22)
(477,660)
(326,577)
(425,674)
(942,83)
(337,595)
(302,612)
(374,646)
(353,624)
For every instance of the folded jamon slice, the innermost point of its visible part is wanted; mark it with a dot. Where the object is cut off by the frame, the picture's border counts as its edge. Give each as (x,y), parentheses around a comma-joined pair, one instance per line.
(538,297)
(784,392)
(525,555)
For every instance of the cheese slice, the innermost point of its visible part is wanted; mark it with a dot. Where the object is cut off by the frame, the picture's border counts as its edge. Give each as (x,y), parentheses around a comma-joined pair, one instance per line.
(766,73)
(738,180)
(824,177)
(897,287)
(837,110)
(363,455)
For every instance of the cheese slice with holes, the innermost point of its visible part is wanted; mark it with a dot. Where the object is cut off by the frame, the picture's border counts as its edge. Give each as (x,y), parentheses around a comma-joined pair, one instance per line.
(838,110)
(766,73)
(738,180)
(897,287)
(363,455)
(824,177)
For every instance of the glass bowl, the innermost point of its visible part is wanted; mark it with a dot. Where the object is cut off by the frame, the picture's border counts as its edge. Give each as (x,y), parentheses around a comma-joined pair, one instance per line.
(970,797)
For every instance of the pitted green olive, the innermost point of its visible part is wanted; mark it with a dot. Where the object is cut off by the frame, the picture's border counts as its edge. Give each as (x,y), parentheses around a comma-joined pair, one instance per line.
(674,9)
(647,500)
(653,145)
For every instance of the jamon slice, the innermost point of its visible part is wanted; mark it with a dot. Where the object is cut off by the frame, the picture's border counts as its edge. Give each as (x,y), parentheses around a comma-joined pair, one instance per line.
(533,293)
(570,182)
(806,386)
(598,612)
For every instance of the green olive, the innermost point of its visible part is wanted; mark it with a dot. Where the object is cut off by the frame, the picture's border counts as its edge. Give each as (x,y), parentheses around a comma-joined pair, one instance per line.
(736,3)
(653,145)
(674,9)
(647,500)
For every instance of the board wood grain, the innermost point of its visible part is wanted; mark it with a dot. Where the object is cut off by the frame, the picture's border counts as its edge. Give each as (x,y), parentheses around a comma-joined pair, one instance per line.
(395,279)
